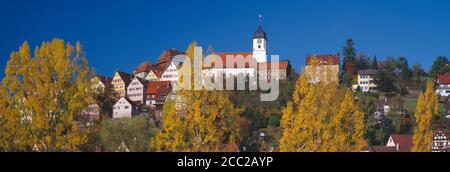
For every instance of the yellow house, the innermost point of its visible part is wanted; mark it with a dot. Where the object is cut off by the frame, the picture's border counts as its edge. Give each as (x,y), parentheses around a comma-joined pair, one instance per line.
(99,83)
(152,77)
(328,62)
(120,82)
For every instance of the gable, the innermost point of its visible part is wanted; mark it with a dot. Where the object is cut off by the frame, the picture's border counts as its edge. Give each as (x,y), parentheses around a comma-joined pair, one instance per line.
(171,68)
(122,101)
(97,82)
(136,82)
(151,75)
(124,77)
(390,142)
(117,77)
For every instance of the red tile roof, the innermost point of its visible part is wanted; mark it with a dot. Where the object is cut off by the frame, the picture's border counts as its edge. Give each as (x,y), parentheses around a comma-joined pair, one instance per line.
(404,140)
(159,88)
(441,130)
(330,59)
(268,65)
(444,79)
(161,67)
(157,72)
(382,149)
(143,67)
(167,55)
(232,56)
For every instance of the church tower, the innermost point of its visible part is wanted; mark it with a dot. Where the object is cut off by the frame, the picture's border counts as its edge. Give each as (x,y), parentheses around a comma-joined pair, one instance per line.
(260,43)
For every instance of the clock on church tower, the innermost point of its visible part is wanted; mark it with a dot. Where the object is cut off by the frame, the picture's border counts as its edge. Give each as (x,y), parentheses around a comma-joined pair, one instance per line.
(259,44)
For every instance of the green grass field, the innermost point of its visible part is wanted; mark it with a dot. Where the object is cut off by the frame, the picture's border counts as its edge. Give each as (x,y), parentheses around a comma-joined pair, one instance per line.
(410,105)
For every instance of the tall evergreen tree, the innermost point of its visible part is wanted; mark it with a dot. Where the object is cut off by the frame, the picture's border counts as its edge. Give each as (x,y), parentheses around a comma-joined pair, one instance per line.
(385,81)
(440,66)
(406,72)
(374,65)
(349,62)
(349,51)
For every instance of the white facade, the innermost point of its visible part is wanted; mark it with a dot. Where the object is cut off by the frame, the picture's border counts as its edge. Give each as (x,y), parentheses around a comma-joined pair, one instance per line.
(171,73)
(366,81)
(260,49)
(91,113)
(251,72)
(443,90)
(124,109)
(136,90)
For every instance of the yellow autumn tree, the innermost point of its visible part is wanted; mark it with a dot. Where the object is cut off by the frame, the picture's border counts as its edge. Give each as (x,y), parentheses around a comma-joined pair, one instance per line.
(198,120)
(41,97)
(427,108)
(321,116)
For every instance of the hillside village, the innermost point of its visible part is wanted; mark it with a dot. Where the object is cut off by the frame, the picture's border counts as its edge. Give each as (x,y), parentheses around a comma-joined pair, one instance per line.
(386,90)
(127,108)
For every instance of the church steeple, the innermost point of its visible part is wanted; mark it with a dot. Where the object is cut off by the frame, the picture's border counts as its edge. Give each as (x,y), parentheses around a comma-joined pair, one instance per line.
(260,43)
(260,31)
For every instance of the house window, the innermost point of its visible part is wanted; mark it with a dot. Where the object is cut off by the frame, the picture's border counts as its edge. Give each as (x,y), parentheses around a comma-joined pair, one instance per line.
(126,107)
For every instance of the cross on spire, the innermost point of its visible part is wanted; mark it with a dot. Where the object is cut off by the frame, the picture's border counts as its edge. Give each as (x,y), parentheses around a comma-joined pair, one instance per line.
(260,19)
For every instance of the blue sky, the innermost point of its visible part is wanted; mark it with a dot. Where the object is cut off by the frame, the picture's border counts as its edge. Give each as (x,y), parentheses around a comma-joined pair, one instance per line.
(121,34)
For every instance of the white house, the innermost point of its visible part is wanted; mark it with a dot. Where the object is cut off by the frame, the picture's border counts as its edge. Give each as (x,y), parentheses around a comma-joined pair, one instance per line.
(136,89)
(443,85)
(125,108)
(366,80)
(441,142)
(170,72)
(90,114)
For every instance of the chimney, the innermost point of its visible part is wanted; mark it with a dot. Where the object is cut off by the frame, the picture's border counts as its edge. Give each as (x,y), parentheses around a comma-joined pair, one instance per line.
(397,147)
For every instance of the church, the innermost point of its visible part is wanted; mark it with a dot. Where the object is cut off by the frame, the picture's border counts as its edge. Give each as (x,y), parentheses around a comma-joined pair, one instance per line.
(248,63)
(256,64)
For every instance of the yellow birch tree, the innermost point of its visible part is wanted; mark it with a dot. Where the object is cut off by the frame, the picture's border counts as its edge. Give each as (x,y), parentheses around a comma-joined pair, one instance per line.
(321,117)
(427,108)
(41,97)
(198,120)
